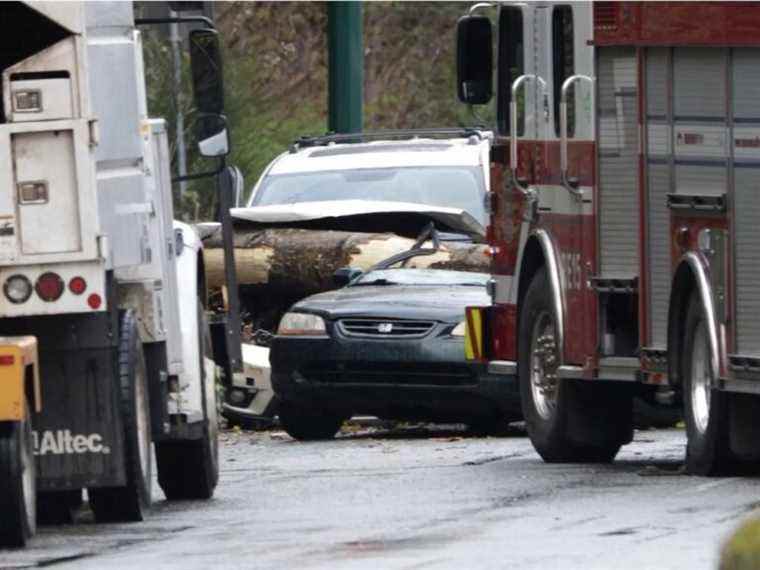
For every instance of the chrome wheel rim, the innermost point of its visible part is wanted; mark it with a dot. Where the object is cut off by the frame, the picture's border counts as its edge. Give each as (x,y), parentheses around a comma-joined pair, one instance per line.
(543,365)
(700,379)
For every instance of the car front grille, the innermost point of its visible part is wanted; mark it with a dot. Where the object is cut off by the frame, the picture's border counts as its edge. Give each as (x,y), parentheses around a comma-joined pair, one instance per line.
(384,328)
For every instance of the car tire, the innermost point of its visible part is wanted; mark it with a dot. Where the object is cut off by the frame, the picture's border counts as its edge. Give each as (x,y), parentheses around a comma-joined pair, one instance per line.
(18,476)
(130,502)
(705,408)
(307,424)
(566,420)
(190,469)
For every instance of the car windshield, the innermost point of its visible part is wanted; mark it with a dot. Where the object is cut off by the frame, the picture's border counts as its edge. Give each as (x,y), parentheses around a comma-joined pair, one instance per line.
(425,277)
(460,187)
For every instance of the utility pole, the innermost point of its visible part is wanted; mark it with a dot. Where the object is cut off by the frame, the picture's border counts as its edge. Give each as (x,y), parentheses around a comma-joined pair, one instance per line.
(345,66)
(176,42)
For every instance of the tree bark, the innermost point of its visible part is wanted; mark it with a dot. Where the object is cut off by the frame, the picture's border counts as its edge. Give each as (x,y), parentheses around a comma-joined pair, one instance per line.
(302,262)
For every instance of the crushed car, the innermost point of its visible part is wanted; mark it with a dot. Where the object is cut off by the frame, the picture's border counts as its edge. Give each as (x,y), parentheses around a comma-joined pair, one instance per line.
(389,344)
(347,201)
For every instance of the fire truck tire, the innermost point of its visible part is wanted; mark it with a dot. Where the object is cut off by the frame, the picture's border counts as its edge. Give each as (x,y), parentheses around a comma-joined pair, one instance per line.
(307,424)
(190,470)
(130,502)
(18,490)
(705,408)
(566,420)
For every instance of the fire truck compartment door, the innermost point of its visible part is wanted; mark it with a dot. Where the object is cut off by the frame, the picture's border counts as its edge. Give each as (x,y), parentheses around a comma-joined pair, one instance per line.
(46,192)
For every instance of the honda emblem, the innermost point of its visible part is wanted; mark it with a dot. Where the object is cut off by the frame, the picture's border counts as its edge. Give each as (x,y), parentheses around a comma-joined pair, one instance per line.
(385,328)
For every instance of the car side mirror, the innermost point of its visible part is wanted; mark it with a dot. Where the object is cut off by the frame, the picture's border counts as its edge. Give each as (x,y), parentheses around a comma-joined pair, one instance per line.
(206,67)
(474,60)
(345,275)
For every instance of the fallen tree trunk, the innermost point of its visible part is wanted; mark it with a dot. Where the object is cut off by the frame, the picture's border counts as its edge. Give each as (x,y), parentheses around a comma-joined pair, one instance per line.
(302,262)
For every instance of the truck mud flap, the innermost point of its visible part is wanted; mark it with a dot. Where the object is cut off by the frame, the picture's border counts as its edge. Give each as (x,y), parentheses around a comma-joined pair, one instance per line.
(78,435)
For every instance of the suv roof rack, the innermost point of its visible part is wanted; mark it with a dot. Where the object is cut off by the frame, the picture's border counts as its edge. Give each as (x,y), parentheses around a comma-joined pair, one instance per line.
(323,140)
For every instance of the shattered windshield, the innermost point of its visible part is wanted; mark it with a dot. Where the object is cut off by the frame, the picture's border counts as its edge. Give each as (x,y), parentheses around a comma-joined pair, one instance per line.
(461,187)
(426,277)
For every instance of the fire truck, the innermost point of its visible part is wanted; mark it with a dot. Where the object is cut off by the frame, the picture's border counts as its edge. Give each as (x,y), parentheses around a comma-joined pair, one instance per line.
(105,350)
(625,189)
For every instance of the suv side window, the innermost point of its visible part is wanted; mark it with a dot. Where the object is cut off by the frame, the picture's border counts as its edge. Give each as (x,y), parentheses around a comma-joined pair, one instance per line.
(563,62)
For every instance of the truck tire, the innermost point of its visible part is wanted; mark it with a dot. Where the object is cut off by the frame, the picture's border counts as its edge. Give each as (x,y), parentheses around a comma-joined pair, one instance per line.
(19,483)
(567,421)
(307,424)
(130,502)
(705,408)
(190,469)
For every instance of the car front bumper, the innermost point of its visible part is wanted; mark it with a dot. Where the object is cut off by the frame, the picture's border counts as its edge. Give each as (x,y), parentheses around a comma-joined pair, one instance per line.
(424,379)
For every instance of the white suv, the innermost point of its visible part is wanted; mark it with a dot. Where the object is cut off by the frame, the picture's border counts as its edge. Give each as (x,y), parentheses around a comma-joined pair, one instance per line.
(339,175)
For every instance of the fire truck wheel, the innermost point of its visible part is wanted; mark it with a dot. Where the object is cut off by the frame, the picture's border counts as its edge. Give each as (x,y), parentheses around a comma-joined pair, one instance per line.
(190,470)
(130,502)
(705,408)
(18,490)
(565,421)
(307,424)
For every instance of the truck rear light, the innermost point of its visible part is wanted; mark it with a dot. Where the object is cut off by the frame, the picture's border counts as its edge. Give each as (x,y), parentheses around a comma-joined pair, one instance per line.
(7,360)
(94,301)
(49,287)
(77,285)
(17,289)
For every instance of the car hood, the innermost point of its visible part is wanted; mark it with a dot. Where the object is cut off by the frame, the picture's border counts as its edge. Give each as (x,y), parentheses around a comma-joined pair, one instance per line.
(440,303)
(402,218)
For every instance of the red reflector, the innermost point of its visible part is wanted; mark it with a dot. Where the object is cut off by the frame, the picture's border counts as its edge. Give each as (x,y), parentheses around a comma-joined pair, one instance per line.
(49,287)
(94,301)
(77,285)
(7,359)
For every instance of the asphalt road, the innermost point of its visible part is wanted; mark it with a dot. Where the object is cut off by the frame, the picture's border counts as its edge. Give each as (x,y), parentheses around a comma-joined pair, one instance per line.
(412,499)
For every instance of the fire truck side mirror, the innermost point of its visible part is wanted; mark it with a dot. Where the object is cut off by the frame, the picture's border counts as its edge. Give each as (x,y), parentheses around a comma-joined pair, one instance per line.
(474,60)
(206,66)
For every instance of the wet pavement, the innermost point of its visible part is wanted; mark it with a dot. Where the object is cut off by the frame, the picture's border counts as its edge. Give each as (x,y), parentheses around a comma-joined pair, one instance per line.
(412,498)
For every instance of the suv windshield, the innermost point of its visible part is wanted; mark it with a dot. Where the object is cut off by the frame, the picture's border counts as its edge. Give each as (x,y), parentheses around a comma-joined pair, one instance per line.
(429,277)
(459,187)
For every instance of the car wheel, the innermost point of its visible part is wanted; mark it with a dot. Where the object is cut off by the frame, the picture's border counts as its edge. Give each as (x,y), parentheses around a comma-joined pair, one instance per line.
(307,424)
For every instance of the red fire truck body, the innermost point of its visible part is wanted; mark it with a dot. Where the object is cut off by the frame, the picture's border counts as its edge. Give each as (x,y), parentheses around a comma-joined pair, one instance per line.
(625,223)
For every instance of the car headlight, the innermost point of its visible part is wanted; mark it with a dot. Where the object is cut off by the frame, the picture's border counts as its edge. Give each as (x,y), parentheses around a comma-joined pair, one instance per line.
(459,330)
(301,324)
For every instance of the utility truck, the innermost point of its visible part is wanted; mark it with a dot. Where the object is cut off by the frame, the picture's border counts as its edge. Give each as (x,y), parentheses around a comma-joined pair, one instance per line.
(624,234)
(105,350)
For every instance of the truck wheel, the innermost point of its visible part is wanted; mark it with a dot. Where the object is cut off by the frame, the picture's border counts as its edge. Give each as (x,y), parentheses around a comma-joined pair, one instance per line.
(19,483)
(190,469)
(130,503)
(307,424)
(705,408)
(565,421)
